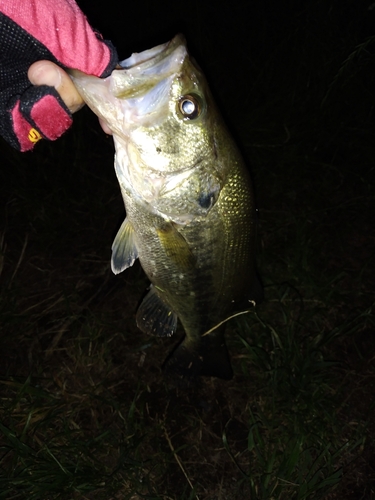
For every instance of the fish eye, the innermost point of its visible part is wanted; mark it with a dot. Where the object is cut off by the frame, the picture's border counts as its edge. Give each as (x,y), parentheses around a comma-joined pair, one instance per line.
(190,106)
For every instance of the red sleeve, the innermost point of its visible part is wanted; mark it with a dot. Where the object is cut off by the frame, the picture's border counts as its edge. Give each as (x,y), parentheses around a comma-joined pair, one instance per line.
(62,27)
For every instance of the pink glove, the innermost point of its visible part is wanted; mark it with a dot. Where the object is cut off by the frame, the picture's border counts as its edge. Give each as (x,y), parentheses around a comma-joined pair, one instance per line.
(33,30)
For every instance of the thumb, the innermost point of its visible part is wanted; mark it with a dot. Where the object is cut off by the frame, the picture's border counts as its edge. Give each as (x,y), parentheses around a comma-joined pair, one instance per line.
(48,73)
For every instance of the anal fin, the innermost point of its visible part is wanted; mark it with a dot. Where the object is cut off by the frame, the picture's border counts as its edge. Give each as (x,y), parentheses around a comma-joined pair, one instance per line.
(155,317)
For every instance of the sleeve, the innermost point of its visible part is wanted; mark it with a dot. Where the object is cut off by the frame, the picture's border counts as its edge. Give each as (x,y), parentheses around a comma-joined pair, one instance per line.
(33,30)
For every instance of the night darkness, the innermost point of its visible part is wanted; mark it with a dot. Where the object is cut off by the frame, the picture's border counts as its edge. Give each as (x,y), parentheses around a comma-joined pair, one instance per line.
(84,409)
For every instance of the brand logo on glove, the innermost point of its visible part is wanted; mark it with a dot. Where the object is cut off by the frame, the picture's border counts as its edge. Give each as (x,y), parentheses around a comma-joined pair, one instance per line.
(34,135)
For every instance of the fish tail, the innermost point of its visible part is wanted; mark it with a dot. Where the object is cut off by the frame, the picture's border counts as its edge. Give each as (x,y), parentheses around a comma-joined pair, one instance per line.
(208,358)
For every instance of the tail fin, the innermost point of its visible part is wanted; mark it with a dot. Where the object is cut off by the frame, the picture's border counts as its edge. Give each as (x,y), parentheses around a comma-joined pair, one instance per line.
(209,358)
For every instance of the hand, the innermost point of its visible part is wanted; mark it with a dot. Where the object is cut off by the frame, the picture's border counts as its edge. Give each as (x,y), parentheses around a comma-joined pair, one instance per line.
(48,73)
(41,38)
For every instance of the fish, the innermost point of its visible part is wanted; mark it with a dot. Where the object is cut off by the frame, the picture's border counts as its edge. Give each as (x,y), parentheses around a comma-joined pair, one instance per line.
(190,211)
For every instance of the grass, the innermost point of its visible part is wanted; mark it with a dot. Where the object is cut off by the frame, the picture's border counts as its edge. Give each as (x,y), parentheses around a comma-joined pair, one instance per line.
(84,409)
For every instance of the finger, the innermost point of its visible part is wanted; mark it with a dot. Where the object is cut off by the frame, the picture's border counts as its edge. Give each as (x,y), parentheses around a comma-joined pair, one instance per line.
(48,73)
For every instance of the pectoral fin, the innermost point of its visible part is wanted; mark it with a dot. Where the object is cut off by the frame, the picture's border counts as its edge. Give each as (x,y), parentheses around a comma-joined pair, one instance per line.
(155,316)
(124,250)
(175,246)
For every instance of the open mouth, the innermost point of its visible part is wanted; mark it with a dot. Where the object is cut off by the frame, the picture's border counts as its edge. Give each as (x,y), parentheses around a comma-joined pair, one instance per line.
(142,70)
(152,56)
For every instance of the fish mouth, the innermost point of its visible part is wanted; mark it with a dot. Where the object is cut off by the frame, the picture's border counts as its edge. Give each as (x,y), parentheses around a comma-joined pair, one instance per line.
(154,55)
(137,90)
(141,71)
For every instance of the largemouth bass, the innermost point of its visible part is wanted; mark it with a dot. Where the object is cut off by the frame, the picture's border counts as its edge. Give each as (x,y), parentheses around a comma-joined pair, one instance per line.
(190,216)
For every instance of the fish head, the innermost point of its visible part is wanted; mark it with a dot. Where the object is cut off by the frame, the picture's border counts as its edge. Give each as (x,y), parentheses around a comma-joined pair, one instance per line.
(164,124)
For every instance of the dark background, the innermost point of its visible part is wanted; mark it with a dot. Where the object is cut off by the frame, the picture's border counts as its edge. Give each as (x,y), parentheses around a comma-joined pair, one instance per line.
(271,64)
(295,82)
